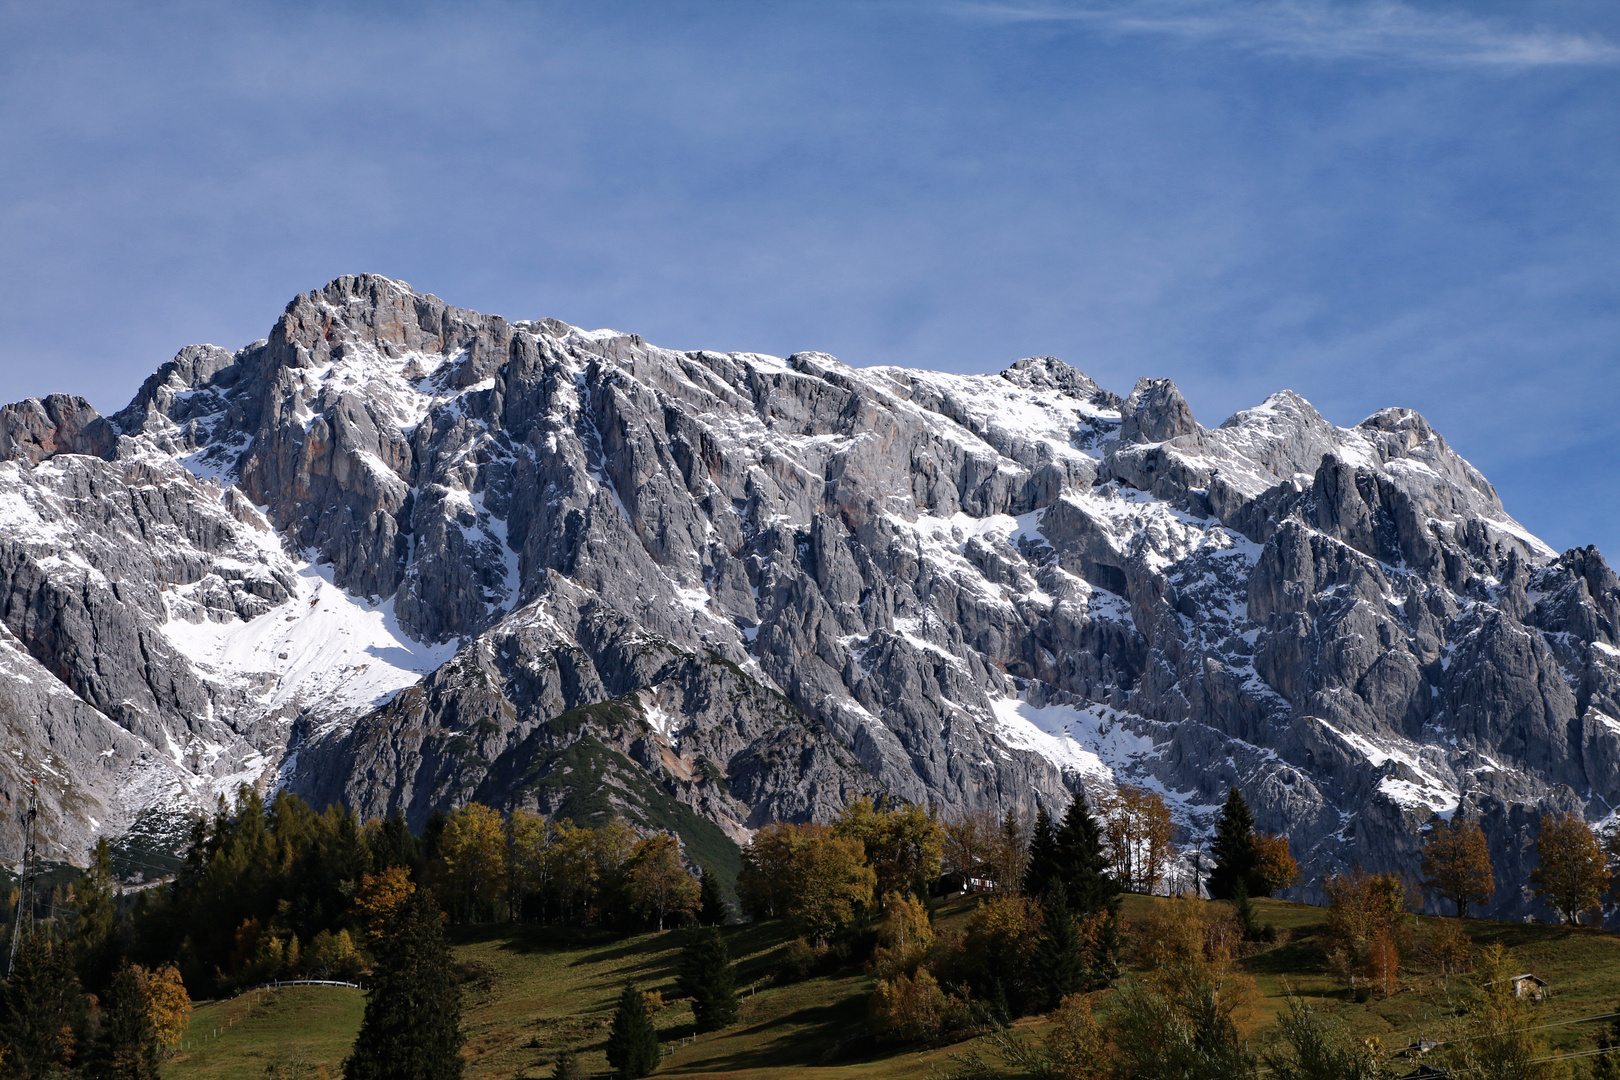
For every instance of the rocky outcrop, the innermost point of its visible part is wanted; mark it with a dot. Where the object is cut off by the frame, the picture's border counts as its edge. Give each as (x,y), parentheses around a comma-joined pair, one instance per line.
(32,430)
(402,555)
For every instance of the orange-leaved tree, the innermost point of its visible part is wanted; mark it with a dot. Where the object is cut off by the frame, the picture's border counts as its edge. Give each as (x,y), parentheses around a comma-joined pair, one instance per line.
(1275,868)
(1573,872)
(1457,864)
(1366,914)
(168,1006)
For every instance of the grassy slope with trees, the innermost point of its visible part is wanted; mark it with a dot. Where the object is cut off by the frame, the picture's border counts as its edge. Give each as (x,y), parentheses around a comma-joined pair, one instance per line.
(553,924)
(532,992)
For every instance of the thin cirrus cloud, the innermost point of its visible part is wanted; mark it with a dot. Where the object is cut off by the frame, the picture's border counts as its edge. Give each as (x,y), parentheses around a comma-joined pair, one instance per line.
(1316,30)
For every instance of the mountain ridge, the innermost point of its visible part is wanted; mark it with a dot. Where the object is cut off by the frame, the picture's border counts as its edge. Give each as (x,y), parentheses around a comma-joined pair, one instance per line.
(378,556)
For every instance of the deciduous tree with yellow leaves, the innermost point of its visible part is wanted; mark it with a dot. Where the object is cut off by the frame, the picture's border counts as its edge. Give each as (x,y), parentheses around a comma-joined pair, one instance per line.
(1573,872)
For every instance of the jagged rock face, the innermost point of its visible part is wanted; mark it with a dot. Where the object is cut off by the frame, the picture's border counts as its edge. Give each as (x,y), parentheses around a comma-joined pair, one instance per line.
(402,555)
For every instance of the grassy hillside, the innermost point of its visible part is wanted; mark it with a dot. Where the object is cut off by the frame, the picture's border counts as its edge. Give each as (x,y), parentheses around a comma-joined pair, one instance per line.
(312,1024)
(531,992)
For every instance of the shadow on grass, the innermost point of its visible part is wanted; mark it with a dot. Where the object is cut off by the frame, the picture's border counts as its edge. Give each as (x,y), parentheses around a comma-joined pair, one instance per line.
(1298,956)
(803,1037)
(527,938)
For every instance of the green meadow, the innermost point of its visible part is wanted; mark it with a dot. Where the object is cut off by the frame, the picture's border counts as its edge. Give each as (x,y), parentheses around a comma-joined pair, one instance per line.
(532,991)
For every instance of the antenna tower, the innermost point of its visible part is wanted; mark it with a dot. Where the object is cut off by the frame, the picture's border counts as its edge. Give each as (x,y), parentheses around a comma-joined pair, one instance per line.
(24,927)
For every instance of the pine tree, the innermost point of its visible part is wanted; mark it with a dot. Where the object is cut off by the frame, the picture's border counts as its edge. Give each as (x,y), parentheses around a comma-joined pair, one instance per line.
(1233,848)
(43,1013)
(126,1047)
(711,901)
(1081,861)
(1060,957)
(707,977)
(1010,853)
(94,942)
(412,1025)
(1043,856)
(394,845)
(632,1046)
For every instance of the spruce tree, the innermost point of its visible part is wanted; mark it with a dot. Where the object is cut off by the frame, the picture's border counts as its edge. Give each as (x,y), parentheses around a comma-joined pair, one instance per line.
(1081,861)
(707,977)
(126,1047)
(394,845)
(632,1046)
(711,901)
(412,1025)
(1233,848)
(43,1013)
(1060,958)
(1043,856)
(95,923)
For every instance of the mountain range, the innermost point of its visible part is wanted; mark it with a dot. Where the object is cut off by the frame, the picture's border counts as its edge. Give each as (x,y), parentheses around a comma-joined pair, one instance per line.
(401,556)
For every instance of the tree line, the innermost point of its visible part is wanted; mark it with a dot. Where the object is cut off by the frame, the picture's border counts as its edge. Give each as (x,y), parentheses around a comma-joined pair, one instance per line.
(272,889)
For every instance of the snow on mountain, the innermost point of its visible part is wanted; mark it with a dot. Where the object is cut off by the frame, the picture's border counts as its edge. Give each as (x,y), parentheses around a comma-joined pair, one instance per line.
(401,555)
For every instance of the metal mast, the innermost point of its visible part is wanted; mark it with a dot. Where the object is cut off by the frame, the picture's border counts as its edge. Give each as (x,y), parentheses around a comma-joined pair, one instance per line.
(24,926)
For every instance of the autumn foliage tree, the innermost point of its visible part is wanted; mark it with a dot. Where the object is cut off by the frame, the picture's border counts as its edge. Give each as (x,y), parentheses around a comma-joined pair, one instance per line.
(808,873)
(969,844)
(1572,874)
(660,885)
(1366,916)
(904,845)
(474,851)
(168,1006)
(1137,830)
(1457,864)
(1275,868)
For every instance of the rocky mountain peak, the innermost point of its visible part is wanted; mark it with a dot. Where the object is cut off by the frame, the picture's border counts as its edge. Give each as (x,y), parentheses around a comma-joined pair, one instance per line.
(36,429)
(1050,373)
(402,555)
(1156,412)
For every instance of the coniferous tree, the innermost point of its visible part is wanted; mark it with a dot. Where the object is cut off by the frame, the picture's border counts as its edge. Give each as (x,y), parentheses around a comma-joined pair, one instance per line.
(1233,848)
(1081,861)
(412,1024)
(43,1013)
(569,1067)
(1060,957)
(1010,852)
(94,942)
(1042,868)
(708,979)
(711,901)
(394,845)
(126,1047)
(632,1046)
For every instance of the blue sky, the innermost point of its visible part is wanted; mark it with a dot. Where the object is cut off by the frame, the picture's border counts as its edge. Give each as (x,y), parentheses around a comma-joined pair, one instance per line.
(1370,203)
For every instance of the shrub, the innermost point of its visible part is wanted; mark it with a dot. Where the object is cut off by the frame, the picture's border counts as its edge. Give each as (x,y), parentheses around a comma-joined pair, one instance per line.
(915,1010)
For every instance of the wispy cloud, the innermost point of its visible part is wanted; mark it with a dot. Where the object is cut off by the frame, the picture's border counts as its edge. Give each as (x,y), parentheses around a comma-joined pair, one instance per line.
(1322,29)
